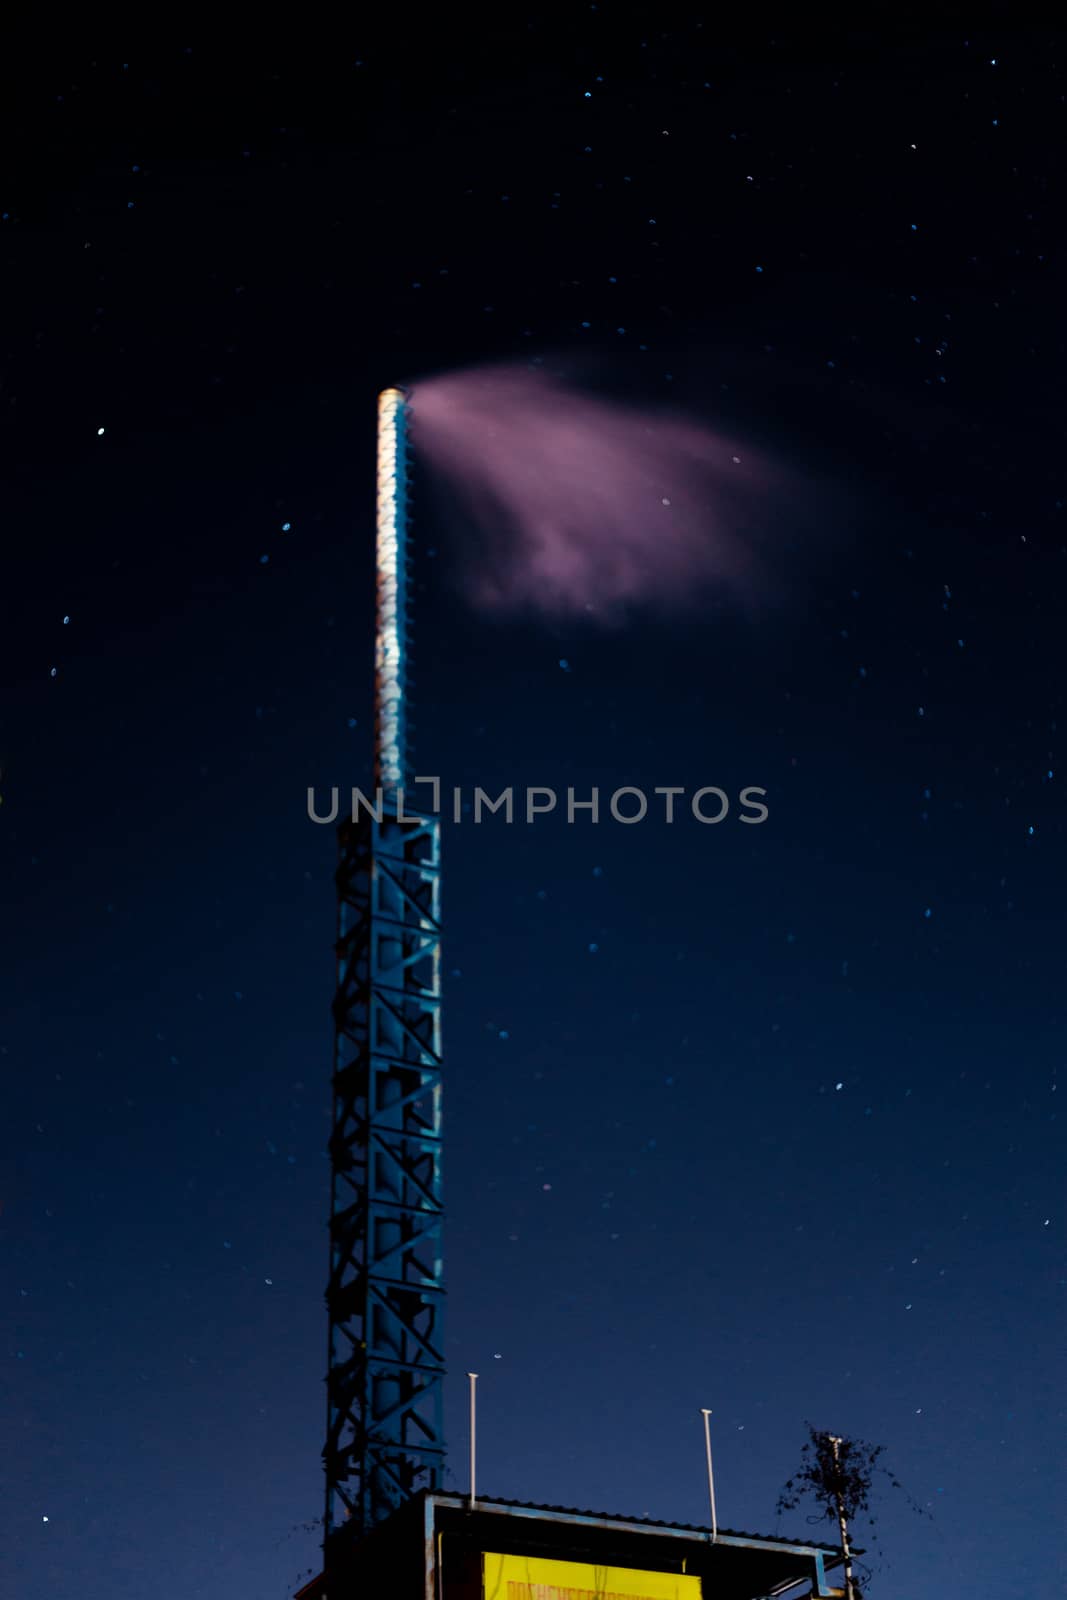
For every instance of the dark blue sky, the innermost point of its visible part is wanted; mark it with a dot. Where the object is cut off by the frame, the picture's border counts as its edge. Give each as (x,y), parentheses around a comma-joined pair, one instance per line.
(785,1142)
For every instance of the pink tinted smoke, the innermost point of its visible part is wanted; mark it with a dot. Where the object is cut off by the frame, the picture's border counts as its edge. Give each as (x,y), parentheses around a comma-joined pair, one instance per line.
(573,504)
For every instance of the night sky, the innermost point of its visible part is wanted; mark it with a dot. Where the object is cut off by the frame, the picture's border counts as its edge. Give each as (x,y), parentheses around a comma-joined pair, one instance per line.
(756,1118)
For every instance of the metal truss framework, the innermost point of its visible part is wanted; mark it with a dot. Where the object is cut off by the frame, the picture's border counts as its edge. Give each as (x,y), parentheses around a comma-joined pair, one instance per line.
(386,1288)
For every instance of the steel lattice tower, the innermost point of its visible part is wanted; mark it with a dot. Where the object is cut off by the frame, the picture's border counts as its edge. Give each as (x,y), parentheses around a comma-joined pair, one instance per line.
(384,1439)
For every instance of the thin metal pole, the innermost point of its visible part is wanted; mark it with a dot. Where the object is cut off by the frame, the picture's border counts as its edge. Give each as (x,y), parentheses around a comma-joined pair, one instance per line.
(846,1548)
(473,1376)
(706,1414)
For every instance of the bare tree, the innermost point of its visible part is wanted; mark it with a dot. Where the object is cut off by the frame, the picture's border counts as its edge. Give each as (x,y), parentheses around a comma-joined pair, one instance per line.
(838,1474)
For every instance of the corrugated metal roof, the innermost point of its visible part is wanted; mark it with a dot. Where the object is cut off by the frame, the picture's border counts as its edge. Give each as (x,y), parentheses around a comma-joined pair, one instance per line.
(644,1522)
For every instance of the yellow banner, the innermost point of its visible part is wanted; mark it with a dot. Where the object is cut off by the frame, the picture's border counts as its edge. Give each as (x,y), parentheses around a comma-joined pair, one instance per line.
(530,1578)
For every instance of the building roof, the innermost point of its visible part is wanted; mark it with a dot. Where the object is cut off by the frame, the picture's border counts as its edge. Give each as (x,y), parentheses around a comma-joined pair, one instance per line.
(746,1563)
(449,1495)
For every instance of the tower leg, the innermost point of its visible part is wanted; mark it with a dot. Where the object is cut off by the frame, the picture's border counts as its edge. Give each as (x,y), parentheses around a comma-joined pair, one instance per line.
(385,1294)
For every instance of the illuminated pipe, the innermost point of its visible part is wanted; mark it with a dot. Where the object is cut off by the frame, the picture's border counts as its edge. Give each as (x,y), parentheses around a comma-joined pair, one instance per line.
(706,1414)
(390,660)
(473,1376)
